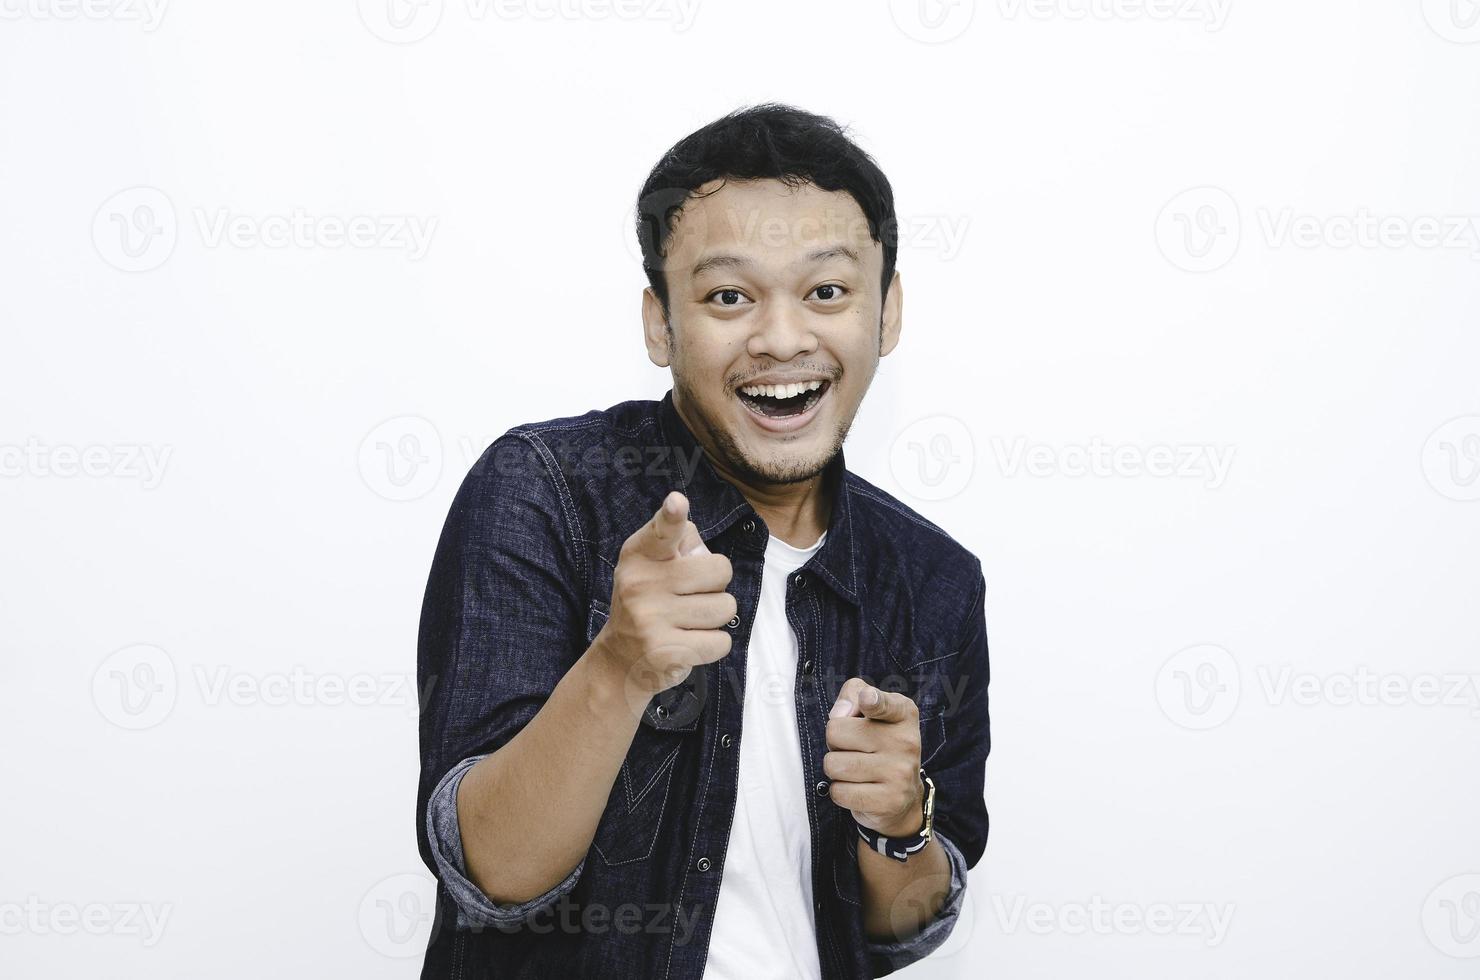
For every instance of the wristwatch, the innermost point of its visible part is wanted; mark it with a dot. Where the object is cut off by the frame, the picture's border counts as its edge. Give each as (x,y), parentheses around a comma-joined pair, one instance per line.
(900,848)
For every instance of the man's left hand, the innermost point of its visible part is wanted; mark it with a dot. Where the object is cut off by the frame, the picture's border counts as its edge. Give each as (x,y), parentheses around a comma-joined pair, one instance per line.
(874,762)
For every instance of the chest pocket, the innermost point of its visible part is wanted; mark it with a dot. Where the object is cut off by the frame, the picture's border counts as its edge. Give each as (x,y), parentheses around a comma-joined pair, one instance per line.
(919,660)
(632,821)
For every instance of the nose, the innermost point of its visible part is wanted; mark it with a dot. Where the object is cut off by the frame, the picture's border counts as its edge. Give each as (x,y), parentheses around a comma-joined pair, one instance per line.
(783,333)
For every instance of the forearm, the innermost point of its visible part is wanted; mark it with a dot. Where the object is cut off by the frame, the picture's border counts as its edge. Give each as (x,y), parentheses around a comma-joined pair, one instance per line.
(528,812)
(901,897)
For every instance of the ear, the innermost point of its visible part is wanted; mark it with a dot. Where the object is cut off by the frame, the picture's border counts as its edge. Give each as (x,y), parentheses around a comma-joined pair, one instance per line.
(891,322)
(655,331)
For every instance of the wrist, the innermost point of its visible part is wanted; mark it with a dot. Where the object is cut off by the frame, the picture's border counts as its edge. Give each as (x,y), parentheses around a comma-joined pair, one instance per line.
(902,836)
(608,683)
(908,824)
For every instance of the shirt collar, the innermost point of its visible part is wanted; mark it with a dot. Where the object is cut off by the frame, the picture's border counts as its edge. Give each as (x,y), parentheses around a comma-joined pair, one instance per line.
(715,503)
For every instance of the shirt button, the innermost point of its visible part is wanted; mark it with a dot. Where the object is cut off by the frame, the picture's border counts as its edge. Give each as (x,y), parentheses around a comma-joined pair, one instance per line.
(725,740)
(807,667)
(703,864)
(748,526)
(822,788)
(817,905)
(734,621)
(800,581)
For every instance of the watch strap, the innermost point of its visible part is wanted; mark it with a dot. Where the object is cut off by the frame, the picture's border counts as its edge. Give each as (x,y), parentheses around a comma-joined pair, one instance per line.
(900,848)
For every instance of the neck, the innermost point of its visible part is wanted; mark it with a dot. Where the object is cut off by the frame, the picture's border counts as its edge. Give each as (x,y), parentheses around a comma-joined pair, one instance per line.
(797,513)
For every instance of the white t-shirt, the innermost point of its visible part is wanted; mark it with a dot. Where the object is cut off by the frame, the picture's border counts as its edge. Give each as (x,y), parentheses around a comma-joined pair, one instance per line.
(764,923)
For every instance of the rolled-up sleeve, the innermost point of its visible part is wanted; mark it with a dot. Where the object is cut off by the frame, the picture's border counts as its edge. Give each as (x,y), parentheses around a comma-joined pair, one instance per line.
(888,957)
(503,619)
(958,771)
(474,908)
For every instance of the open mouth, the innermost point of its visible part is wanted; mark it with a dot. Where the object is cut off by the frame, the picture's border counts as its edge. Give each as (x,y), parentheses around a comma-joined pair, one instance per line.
(784,401)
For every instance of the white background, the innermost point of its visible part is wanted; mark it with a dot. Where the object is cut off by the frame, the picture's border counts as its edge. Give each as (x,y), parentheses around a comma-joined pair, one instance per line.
(1127,226)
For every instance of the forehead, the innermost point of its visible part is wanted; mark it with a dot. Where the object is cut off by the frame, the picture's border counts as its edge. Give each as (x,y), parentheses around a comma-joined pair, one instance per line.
(768,222)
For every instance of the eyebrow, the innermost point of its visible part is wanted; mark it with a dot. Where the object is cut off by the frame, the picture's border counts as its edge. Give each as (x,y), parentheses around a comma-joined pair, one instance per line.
(740,262)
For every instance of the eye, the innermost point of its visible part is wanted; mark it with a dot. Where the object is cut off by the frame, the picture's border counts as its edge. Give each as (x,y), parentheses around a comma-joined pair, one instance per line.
(729,296)
(829,291)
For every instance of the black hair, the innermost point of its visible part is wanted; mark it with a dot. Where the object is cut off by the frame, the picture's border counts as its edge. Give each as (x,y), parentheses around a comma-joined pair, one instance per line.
(770,140)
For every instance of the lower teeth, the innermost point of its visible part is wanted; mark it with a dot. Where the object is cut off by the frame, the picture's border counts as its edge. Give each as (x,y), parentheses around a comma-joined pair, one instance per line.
(778,408)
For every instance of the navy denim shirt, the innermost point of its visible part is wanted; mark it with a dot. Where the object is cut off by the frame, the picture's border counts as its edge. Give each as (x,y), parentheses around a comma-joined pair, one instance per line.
(521,584)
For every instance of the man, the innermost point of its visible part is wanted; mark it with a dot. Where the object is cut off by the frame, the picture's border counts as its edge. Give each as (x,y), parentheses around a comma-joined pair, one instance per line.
(702,702)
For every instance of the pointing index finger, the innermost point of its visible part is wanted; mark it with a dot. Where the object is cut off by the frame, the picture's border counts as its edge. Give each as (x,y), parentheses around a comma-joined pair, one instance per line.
(667,525)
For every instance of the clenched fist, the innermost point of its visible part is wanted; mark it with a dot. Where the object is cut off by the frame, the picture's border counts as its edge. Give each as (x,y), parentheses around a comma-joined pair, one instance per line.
(669,606)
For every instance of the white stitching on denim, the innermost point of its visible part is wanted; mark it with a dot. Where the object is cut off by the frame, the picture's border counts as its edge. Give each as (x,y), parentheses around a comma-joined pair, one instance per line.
(567,504)
(907,515)
(694,840)
(662,809)
(818,845)
(634,798)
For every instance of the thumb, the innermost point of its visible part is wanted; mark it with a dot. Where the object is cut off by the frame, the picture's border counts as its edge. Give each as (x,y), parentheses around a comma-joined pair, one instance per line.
(882,705)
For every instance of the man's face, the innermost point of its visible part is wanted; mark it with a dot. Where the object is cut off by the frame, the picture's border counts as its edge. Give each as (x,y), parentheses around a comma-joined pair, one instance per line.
(768,282)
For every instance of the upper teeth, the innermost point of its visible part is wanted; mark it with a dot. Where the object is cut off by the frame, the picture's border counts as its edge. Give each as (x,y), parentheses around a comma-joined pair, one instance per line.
(782,391)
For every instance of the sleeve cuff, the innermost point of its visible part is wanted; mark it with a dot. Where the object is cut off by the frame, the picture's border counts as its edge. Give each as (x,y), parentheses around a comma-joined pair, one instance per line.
(474,908)
(888,957)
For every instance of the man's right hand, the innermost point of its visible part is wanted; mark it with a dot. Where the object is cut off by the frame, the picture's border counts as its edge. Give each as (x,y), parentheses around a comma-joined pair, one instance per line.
(669,606)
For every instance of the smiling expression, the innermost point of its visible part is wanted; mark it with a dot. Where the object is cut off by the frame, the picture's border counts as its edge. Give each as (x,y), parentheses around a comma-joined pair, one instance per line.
(771,285)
